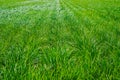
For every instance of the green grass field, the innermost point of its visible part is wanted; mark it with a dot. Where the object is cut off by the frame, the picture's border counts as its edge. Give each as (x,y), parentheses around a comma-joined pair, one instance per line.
(60,40)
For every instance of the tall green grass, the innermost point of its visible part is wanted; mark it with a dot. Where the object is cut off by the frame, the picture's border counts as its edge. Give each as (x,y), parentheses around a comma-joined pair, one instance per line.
(60,40)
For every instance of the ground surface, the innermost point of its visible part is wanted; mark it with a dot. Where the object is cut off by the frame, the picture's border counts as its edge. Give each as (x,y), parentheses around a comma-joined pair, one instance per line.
(59,39)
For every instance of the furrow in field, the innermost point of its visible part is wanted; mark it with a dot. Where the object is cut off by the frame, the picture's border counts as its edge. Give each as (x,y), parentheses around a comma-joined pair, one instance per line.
(91,13)
(72,9)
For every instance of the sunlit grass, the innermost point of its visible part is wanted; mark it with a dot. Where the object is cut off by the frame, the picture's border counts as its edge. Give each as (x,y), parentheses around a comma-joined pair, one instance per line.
(60,40)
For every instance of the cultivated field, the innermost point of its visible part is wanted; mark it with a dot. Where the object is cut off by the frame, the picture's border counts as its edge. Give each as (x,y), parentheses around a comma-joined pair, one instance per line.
(59,39)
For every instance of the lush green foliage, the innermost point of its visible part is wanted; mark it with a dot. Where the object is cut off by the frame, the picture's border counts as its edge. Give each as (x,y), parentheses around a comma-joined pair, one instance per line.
(60,40)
